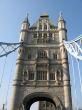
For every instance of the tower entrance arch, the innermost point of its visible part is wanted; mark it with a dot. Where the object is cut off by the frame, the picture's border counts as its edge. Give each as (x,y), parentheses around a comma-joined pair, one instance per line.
(42,96)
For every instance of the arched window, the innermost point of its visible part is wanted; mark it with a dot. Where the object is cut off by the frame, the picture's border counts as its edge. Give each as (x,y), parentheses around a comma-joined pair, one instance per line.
(59,75)
(50,34)
(40,26)
(45,35)
(25,77)
(45,27)
(42,54)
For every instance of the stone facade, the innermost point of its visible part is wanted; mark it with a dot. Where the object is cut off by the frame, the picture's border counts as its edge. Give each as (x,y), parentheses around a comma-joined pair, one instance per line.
(42,72)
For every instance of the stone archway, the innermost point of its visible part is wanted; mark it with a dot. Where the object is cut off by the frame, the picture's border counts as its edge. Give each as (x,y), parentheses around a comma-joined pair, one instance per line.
(42,96)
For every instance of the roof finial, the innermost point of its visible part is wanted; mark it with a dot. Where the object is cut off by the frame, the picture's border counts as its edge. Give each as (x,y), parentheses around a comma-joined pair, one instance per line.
(61,16)
(26,18)
(27,15)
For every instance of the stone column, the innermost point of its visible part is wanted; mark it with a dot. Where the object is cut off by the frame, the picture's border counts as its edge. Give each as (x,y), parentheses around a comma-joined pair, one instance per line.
(66,79)
(17,95)
(35,75)
(42,25)
(48,75)
(27,75)
(48,67)
(56,78)
(38,26)
(47,26)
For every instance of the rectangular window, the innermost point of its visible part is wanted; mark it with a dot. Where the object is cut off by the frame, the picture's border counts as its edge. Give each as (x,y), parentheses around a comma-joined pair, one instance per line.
(55,56)
(39,40)
(45,35)
(29,56)
(40,26)
(35,35)
(41,75)
(47,104)
(31,75)
(40,35)
(45,40)
(52,76)
(42,54)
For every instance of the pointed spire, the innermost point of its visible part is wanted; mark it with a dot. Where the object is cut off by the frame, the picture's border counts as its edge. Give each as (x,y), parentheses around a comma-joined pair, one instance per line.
(26,20)
(61,22)
(25,24)
(61,17)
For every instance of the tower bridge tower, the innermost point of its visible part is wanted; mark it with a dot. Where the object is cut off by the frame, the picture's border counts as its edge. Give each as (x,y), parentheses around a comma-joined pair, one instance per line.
(42,70)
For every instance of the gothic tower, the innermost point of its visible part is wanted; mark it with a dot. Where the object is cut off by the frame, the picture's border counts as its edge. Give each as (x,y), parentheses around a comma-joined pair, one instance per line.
(42,71)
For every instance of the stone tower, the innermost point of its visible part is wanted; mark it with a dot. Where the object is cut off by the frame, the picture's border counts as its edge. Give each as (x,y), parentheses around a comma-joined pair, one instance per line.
(42,71)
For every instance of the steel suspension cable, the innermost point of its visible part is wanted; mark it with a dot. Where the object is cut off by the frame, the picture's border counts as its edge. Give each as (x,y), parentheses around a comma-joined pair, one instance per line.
(74,82)
(79,74)
(3,71)
(6,99)
(76,39)
(8,85)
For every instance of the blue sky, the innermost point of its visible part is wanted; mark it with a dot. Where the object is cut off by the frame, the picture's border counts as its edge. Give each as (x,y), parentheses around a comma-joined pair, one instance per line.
(13,12)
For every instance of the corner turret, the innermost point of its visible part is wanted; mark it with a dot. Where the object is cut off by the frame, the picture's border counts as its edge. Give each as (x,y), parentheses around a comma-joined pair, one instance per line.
(24,30)
(62,28)
(61,22)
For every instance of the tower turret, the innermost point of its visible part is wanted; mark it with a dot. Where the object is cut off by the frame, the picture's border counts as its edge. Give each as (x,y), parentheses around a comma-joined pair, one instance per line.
(62,28)
(61,22)
(66,77)
(16,98)
(24,30)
